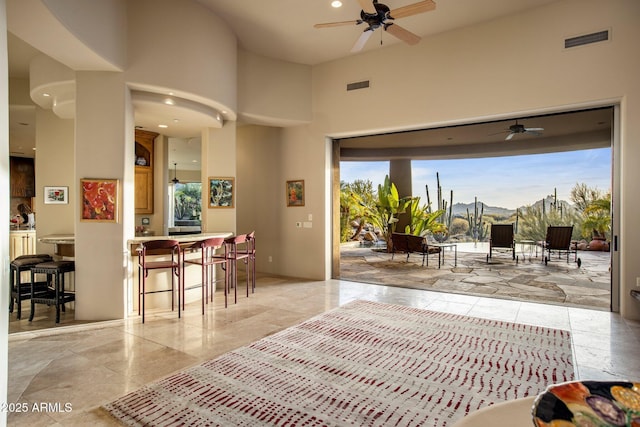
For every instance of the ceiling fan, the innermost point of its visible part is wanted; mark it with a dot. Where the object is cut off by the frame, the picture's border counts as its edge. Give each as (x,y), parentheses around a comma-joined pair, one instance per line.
(376,15)
(518,128)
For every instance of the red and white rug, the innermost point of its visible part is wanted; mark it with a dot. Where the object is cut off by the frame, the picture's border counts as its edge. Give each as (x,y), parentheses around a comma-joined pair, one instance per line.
(365,363)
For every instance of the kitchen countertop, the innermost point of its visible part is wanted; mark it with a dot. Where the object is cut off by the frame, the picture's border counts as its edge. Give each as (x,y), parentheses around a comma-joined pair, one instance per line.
(21,230)
(67,239)
(58,239)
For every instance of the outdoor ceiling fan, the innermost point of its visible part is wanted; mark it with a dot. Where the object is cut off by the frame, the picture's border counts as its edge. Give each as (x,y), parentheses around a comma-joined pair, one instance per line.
(518,128)
(376,15)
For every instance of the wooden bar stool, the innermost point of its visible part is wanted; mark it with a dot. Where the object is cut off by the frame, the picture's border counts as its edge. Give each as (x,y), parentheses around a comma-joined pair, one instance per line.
(56,293)
(207,261)
(164,248)
(20,290)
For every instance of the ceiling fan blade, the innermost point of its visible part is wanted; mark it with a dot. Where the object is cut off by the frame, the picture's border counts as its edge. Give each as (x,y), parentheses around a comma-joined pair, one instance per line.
(368,7)
(413,9)
(530,132)
(509,136)
(404,35)
(533,129)
(336,24)
(362,40)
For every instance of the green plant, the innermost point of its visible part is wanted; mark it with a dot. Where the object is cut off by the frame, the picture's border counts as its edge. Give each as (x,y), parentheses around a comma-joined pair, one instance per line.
(444,217)
(387,208)
(534,220)
(478,229)
(356,202)
(424,221)
(188,200)
(597,220)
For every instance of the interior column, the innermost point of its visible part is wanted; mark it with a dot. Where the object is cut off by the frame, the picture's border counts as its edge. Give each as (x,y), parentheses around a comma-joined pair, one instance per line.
(104,146)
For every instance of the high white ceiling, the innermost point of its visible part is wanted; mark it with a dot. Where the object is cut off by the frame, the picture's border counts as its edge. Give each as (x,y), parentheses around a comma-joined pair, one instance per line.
(281,29)
(284,29)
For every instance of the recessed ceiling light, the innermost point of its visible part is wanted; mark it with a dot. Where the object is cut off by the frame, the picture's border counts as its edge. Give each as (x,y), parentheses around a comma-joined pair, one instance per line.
(336,3)
(46,95)
(194,161)
(175,120)
(169,101)
(163,126)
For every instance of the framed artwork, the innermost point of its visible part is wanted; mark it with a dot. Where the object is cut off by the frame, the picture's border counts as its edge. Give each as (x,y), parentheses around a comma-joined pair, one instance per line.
(295,193)
(99,200)
(221,192)
(56,195)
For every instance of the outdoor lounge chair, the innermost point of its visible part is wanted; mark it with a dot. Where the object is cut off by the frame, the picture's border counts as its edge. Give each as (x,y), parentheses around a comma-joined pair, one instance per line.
(558,239)
(409,243)
(502,238)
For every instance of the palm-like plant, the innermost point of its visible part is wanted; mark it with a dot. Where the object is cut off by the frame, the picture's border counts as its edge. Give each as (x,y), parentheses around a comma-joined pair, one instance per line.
(388,206)
(424,221)
(598,217)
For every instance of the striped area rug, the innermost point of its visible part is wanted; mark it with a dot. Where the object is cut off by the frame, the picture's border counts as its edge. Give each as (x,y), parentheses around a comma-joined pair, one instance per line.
(361,364)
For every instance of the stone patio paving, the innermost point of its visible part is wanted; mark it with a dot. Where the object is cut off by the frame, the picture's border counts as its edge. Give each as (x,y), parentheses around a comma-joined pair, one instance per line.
(558,282)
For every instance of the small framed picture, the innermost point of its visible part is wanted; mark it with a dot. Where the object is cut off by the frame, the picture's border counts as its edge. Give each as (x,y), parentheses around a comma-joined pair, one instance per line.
(99,200)
(221,192)
(56,195)
(295,193)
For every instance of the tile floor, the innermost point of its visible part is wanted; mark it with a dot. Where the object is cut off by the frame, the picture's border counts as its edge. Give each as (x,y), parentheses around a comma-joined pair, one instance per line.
(87,365)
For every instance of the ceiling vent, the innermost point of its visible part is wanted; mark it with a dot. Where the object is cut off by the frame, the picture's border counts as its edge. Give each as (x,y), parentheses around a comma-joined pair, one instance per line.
(600,36)
(358,85)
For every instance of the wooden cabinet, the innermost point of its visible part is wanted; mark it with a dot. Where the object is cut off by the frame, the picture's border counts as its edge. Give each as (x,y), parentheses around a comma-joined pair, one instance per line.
(21,243)
(144,171)
(22,177)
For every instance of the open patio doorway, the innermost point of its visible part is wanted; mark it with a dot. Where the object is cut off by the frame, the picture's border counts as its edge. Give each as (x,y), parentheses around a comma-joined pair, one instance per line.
(495,186)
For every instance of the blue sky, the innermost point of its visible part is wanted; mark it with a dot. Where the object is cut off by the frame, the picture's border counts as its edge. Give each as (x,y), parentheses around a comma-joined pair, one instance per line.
(507,182)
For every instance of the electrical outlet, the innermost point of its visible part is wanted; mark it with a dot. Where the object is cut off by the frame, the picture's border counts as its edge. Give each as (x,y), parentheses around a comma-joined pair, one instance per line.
(270,258)
(310,217)
(638,282)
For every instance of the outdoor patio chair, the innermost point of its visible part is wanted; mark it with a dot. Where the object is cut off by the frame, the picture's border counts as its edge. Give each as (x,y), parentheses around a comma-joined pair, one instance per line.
(558,240)
(502,238)
(409,243)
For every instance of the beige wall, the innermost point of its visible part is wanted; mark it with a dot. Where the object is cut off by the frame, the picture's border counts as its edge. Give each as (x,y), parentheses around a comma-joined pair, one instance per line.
(261,191)
(219,160)
(55,156)
(184,48)
(4,206)
(263,85)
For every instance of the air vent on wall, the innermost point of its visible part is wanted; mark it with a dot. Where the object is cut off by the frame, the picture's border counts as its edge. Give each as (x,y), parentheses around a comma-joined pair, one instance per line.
(600,36)
(358,85)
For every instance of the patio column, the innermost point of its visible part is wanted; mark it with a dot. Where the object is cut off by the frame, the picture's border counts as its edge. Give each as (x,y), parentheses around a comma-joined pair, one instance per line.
(400,175)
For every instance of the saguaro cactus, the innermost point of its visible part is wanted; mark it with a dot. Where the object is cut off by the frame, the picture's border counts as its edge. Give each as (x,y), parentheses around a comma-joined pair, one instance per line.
(477,228)
(446,208)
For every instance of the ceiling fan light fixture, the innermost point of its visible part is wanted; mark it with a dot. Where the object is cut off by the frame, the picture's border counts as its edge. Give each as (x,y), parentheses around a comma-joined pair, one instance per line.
(336,4)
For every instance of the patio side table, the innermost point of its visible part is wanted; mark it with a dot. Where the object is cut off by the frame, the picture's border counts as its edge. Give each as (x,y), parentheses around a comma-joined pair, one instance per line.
(442,246)
(529,245)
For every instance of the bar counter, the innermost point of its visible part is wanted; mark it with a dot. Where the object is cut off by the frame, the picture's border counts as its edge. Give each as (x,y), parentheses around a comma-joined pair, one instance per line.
(65,244)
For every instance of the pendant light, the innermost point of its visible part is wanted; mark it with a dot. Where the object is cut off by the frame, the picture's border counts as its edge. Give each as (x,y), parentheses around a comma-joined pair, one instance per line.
(175,179)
